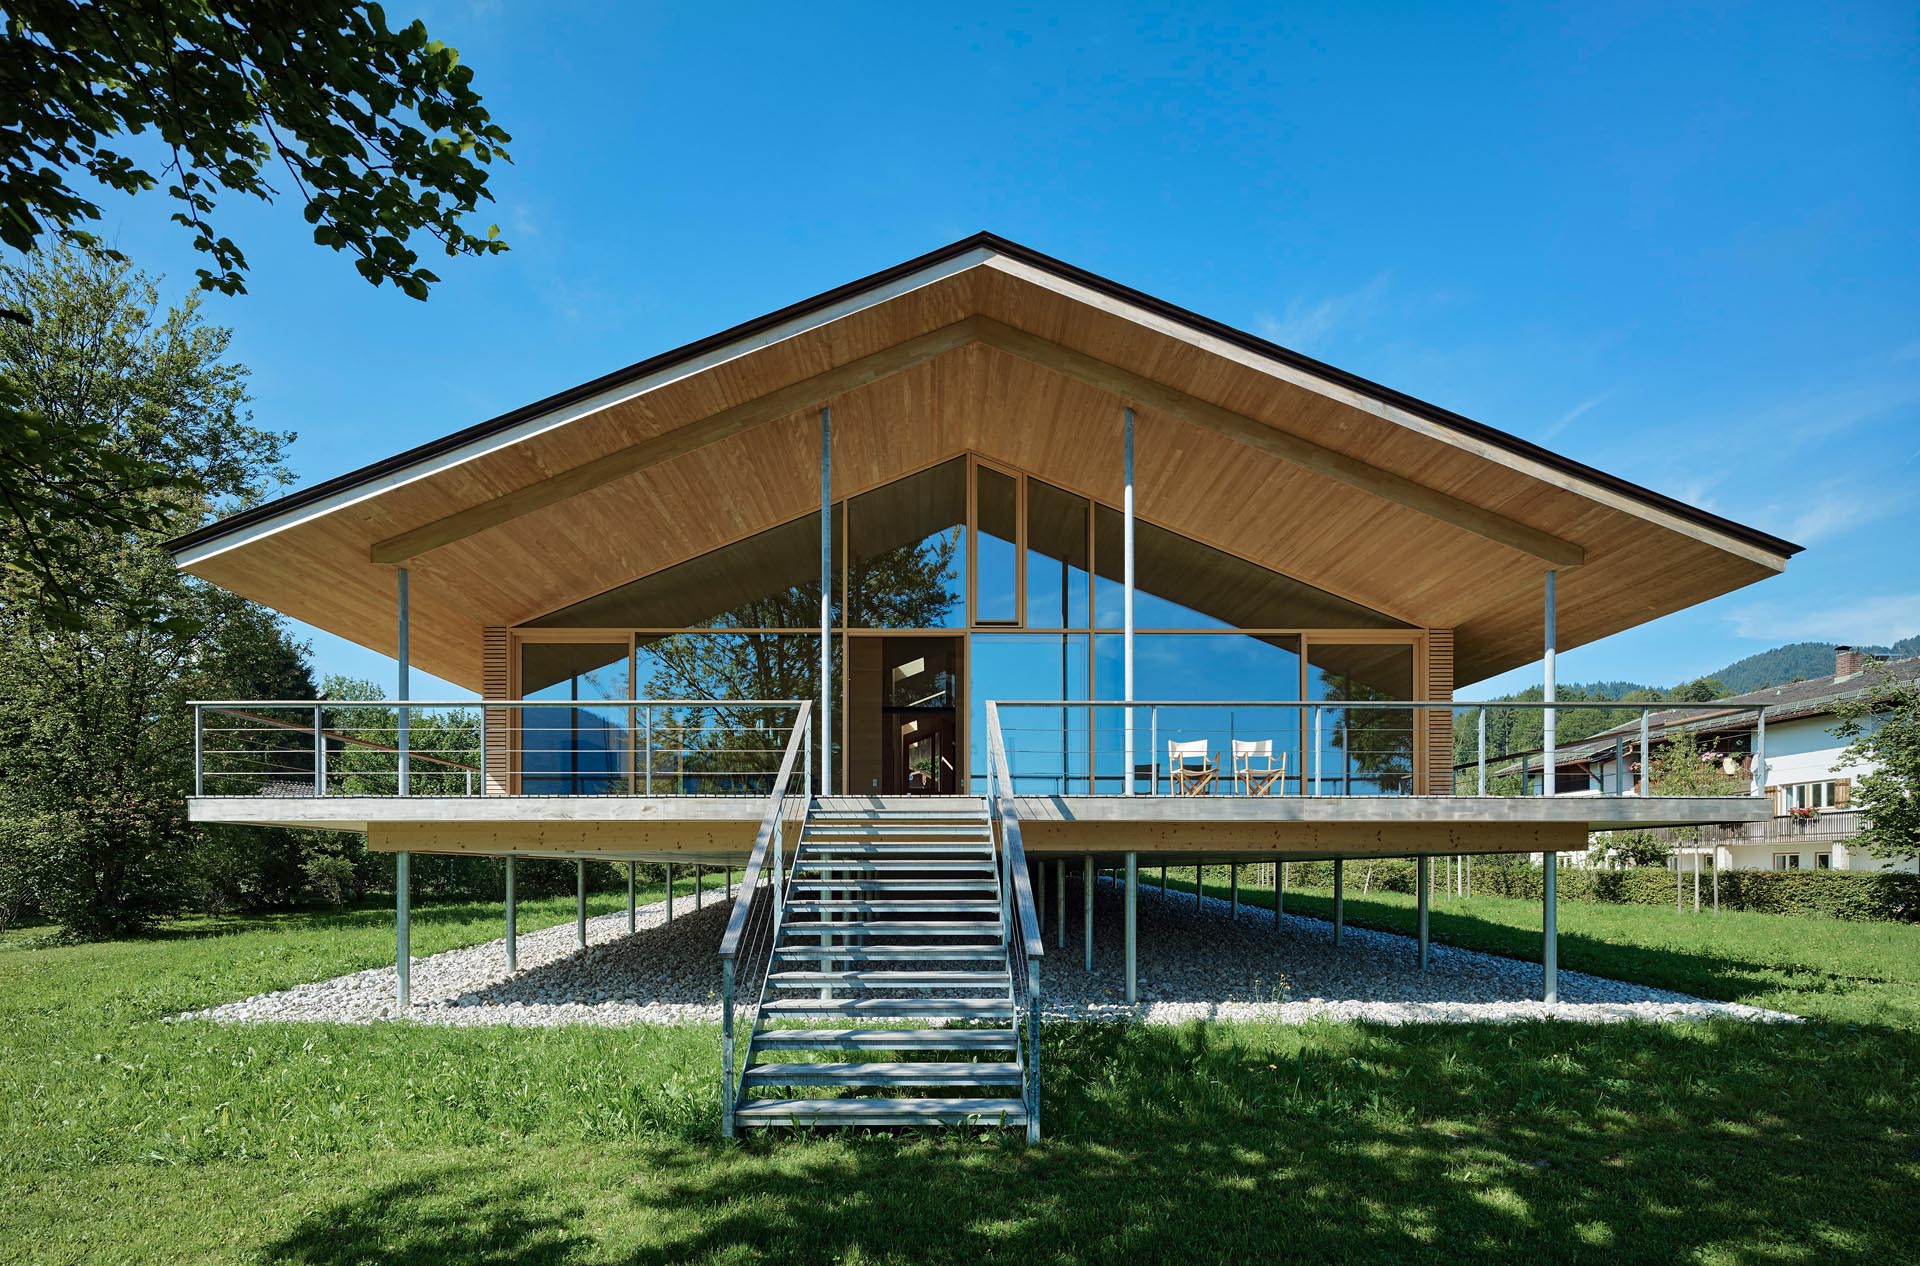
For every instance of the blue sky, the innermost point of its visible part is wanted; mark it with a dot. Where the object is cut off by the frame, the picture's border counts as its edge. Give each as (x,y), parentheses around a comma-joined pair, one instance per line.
(1681,247)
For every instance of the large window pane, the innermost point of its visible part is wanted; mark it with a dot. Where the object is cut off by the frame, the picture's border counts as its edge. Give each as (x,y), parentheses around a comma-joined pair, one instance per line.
(1362,751)
(1046,747)
(771,580)
(1056,558)
(996,575)
(1182,584)
(715,749)
(573,750)
(909,554)
(1237,669)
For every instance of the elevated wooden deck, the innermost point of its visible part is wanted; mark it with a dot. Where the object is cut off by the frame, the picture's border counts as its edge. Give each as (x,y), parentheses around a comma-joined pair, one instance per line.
(719,830)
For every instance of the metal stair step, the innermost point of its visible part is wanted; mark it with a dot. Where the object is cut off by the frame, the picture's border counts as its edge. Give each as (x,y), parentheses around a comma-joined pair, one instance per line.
(883,817)
(882,830)
(877,1073)
(878,1111)
(896,927)
(905,905)
(891,953)
(857,979)
(907,855)
(886,1040)
(891,866)
(896,884)
(898,1008)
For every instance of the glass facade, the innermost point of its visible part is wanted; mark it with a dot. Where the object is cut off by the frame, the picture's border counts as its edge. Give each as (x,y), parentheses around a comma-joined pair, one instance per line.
(967,583)
(572,750)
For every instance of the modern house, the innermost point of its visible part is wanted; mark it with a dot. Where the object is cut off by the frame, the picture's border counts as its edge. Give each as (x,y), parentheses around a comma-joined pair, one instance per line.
(909,602)
(1808,785)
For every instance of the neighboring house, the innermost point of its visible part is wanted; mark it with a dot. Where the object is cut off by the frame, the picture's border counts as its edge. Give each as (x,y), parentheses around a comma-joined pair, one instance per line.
(1808,784)
(910,600)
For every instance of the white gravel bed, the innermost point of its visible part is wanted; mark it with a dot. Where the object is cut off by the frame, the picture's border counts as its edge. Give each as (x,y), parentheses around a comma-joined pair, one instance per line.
(1195,962)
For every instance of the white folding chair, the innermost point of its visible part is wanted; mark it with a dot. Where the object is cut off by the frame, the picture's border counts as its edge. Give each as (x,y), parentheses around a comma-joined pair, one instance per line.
(1191,767)
(1255,770)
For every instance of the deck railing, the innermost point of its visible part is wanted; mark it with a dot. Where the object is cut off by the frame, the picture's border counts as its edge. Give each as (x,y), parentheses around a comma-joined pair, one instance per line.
(529,747)
(1344,747)
(1019,918)
(754,925)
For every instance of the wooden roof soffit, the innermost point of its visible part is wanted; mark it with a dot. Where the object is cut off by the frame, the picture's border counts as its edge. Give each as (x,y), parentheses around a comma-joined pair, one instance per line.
(805,394)
(823,387)
(1287,447)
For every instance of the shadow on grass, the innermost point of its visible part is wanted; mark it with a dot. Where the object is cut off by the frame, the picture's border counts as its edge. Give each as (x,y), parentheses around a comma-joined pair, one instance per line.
(433,1220)
(1538,1142)
(1720,973)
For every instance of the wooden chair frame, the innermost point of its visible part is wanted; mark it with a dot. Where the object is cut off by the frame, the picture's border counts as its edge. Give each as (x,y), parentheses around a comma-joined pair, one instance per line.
(1255,771)
(1186,778)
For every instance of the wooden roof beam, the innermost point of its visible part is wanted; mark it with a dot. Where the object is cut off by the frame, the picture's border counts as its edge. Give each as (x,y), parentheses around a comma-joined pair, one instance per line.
(805,394)
(1284,445)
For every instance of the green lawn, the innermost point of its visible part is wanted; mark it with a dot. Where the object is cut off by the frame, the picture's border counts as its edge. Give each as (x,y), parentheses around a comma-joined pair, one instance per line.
(131,1138)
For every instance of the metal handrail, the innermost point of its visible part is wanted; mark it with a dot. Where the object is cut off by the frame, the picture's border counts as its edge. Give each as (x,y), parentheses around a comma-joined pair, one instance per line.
(1008,813)
(1646,709)
(494,703)
(768,839)
(1018,889)
(776,805)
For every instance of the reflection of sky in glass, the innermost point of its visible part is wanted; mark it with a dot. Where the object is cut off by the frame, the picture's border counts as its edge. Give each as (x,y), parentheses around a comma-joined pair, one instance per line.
(1044,752)
(574,751)
(1172,666)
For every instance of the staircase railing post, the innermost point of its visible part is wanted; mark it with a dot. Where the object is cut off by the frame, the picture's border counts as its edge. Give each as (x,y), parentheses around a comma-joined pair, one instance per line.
(726,1047)
(1033,1051)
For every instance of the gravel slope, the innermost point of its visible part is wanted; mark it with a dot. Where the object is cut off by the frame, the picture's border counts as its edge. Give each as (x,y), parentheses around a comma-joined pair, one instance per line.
(1196,962)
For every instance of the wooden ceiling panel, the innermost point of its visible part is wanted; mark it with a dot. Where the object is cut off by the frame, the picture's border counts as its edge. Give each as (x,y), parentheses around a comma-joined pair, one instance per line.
(1230,486)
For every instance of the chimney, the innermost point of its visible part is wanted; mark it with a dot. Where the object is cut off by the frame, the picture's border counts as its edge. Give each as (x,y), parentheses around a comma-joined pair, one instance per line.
(1847,662)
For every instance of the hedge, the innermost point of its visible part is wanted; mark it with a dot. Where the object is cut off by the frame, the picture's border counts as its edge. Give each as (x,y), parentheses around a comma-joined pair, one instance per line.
(1833,894)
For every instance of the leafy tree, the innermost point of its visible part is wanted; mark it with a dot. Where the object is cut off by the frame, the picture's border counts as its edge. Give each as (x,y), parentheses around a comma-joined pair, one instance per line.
(1883,727)
(122,420)
(378,131)
(95,741)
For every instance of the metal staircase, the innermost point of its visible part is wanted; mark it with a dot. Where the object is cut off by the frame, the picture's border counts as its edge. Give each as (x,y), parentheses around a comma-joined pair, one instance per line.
(898,954)
(892,931)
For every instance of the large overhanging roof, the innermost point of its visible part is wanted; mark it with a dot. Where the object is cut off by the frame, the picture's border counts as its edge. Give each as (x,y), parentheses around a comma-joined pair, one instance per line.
(989,347)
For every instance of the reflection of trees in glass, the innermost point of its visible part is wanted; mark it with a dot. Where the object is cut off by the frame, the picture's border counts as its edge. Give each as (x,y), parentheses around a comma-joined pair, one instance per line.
(719,749)
(1376,743)
(915,586)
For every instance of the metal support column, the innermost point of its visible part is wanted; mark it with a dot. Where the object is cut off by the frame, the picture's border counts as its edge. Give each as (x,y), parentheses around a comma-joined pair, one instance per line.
(1086,904)
(669,892)
(1060,904)
(1040,895)
(1126,604)
(1550,770)
(632,902)
(1423,899)
(403,930)
(1279,890)
(1550,929)
(1339,898)
(1233,890)
(826,602)
(1199,884)
(699,885)
(1133,927)
(404,691)
(513,920)
(580,904)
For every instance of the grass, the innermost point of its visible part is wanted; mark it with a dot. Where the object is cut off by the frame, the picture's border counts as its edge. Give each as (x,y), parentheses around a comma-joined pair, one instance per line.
(133,1138)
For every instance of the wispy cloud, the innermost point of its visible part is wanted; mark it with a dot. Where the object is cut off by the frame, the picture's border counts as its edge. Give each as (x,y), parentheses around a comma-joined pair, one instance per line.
(1832,507)
(1864,620)
(1571,416)
(1309,323)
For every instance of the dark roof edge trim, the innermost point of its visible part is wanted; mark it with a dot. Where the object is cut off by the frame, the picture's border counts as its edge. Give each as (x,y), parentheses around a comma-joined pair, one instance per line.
(1113,289)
